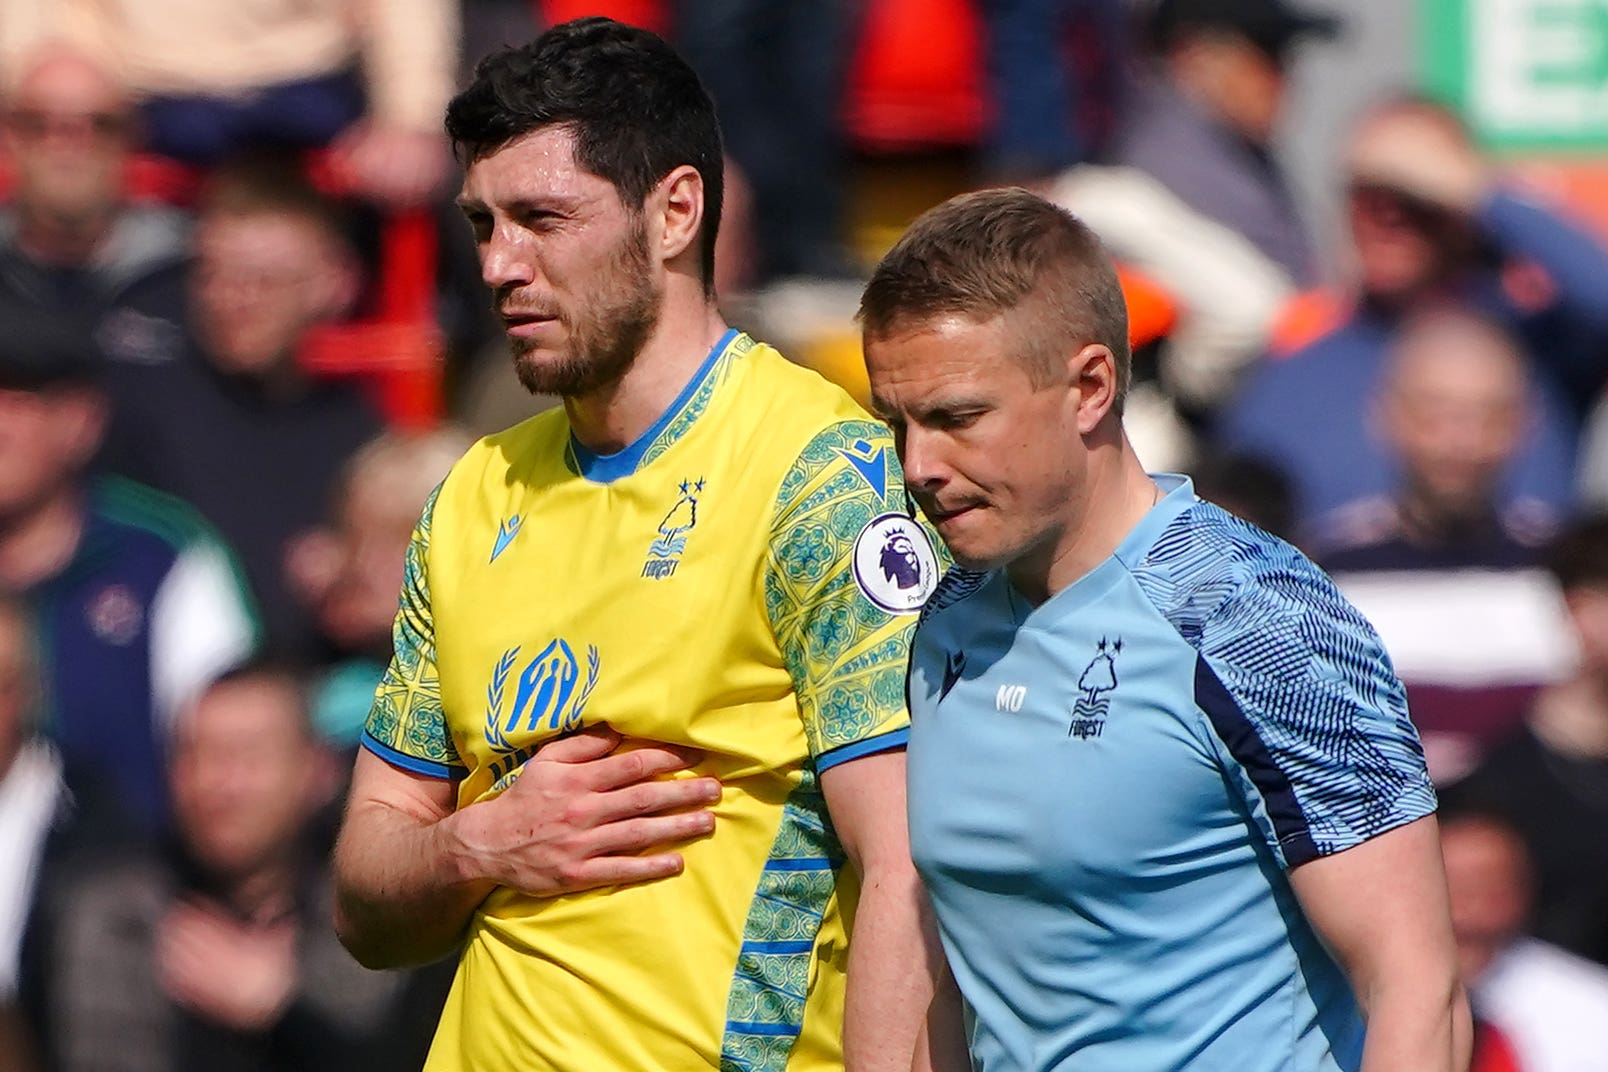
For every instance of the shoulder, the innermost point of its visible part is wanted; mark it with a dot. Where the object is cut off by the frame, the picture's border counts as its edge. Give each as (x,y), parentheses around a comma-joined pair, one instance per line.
(1347,535)
(1208,561)
(510,456)
(142,516)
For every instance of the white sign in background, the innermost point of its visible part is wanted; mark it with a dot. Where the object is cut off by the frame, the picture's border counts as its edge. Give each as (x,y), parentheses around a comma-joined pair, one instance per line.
(1538,69)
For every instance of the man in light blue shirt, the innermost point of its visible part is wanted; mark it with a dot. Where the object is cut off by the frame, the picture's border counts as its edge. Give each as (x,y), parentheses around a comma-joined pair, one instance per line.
(1163,789)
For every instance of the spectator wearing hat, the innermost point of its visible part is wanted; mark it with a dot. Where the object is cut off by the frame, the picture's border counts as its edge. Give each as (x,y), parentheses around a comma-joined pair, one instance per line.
(1203,125)
(138,605)
(1431,224)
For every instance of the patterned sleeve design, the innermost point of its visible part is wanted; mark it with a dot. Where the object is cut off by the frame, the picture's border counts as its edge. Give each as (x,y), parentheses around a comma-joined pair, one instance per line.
(847,571)
(406,726)
(1295,683)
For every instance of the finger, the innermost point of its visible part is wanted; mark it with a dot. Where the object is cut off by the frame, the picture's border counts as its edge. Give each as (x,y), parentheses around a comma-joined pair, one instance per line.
(621,871)
(635,835)
(639,765)
(594,742)
(654,798)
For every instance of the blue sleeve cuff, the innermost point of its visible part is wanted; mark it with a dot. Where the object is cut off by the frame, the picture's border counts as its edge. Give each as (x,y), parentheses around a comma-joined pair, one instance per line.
(444,771)
(870,746)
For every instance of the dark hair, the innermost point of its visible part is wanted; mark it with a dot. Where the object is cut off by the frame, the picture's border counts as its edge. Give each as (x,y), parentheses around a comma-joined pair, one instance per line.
(984,254)
(273,672)
(1578,557)
(268,183)
(635,107)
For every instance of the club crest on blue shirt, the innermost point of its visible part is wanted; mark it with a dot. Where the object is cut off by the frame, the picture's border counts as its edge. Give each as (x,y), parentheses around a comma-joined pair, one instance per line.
(549,698)
(894,564)
(1094,685)
(664,554)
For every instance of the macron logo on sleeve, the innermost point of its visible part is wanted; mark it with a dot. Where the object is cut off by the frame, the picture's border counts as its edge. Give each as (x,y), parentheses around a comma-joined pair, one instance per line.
(506,531)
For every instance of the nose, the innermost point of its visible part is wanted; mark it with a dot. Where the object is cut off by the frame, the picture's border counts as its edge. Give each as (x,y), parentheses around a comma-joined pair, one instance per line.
(920,454)
(506,262)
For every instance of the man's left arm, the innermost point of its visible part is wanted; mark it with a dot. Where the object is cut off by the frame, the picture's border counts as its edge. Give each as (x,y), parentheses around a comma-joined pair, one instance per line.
(848,570)
(1381,907)
(894,956)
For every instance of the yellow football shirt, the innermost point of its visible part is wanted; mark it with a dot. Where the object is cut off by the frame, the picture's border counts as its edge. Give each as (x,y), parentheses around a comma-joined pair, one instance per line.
(742,580)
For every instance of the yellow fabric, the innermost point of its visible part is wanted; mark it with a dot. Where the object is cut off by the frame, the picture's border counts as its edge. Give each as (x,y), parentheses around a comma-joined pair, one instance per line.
(705,595)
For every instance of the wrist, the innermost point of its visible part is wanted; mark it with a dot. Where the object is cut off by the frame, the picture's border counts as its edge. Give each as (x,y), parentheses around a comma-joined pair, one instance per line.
(462,850)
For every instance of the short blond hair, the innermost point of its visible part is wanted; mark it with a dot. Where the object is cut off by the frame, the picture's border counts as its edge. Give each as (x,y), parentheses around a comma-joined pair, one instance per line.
(1006,253)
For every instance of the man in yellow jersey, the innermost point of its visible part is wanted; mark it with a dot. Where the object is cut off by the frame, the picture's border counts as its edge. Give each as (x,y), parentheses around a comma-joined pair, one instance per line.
(639,751)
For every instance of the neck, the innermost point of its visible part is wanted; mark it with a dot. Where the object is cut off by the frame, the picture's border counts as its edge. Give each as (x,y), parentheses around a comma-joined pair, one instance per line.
(38,545)
(614,416)
(60,239)
(1431,521)
(1116,495)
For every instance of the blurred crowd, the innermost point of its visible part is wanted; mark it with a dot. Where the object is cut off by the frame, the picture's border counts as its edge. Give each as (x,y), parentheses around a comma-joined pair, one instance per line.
(242,337)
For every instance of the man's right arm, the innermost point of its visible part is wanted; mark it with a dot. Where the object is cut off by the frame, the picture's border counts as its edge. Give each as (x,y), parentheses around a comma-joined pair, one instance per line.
(403,895)
(410,871)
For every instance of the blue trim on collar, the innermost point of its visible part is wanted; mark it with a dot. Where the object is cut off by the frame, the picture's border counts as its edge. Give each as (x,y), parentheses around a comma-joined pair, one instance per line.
(606,468)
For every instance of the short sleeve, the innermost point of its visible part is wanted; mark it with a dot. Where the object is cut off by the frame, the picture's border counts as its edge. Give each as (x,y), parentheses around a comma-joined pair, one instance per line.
(1304,709)
(406,726)
(847,572)
(1300,691)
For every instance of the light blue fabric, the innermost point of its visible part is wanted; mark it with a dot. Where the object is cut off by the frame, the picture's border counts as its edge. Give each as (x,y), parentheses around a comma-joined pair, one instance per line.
(1106,792)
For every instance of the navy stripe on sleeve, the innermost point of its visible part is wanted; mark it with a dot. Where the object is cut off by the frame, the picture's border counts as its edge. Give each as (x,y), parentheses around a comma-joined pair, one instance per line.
(1251,752)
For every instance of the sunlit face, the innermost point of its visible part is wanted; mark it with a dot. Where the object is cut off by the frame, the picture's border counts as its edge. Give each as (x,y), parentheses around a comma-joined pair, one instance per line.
(567,261)
(1250,89)
(996,463)
(67,135)
(1455,411)
(243,776)
(261,281)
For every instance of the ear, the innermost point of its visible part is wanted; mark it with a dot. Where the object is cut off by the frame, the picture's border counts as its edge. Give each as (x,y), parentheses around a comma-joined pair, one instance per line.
(86,413)
(679,204)
(1092,374)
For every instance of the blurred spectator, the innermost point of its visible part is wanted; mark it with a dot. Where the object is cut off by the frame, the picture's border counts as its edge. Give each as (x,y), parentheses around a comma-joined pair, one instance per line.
(137,604)
(31,794)
(1453,408)
(1430,225)
(220,954)
(784,128)
(1204,124)
(237,428)
(348,573)
(217,78)
(1225,293)
(1448,575)
(1550,1006)
(1551,779)
(1054,70)
(1594,458)
(70,241)
(1249,488)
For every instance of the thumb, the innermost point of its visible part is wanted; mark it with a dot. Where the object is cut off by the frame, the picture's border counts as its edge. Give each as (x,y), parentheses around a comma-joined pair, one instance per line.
(594,742)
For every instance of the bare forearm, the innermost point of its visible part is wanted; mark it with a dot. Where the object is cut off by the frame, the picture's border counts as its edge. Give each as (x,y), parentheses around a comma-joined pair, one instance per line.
(1415,1031)
(893,961)
(403,894)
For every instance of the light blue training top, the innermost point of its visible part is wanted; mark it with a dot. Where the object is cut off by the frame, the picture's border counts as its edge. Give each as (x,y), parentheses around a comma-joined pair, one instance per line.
(1106,792)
